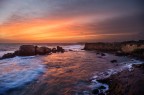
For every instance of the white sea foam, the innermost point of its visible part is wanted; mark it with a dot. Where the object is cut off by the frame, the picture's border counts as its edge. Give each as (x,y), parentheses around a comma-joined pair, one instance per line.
(5,52)
(74,47)
(127,65)
(18,71)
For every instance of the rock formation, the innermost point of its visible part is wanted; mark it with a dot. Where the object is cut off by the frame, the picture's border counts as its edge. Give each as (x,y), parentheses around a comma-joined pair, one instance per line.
(42,50)
(27,50)
(126,82)
(31,50)
(132,48)
(102,46)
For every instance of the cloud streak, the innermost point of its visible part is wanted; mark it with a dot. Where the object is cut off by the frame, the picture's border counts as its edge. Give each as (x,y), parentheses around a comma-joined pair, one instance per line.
(78,20)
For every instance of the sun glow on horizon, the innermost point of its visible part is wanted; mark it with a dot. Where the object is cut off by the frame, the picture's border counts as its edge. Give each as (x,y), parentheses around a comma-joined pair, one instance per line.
(52,31)
(43,31)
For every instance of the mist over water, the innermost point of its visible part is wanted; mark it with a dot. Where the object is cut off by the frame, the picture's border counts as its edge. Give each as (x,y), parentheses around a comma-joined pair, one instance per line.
(70,73)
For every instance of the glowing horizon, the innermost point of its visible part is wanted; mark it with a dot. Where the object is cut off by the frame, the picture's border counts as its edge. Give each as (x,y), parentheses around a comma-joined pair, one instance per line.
(88,23)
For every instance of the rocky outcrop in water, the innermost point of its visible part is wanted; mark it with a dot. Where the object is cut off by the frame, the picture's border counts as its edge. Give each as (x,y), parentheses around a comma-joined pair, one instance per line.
(8,55)
(60,49)
(31,50)
(42,50)
(113,61)
(27,50)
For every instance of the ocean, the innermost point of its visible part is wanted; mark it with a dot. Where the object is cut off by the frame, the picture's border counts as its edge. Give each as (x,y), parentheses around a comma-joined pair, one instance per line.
(74,72)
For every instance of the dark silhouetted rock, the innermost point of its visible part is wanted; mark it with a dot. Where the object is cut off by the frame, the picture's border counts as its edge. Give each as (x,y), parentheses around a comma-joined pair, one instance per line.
(138,53)
(8,55)
(16,52)
(54,50)
(101,94)
(31,50)
(48,50)
(113,61)
(104,47)
(27,50)
(95,91)
(102,87)
(43,50)
(120,53)
(126,82)
(138,65)
(60,49)
(102,54)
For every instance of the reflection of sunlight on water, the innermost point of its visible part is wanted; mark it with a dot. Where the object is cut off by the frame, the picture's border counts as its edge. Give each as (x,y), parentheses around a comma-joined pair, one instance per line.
(73,70)
(74,47)
(5,52)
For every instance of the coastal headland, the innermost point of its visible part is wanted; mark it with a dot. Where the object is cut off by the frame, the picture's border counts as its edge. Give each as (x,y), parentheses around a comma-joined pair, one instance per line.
(127,82)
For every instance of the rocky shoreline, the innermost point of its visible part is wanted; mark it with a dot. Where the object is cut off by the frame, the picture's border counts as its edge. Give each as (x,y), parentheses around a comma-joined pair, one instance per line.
(125,82)
(128,48)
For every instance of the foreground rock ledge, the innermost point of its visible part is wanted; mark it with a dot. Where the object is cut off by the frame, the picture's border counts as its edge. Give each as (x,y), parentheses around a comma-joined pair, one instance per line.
(127,82)
(31,50)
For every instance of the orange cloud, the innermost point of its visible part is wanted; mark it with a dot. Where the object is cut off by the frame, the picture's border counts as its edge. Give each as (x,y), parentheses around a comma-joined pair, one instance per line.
(50,31)
(42,30)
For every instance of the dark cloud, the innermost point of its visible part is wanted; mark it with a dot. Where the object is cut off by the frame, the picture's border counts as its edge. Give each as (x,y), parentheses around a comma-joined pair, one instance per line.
(84,7)
(130,25)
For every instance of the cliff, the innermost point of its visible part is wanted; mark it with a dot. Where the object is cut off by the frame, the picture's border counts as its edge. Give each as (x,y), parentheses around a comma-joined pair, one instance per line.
(134,48)
(102,46)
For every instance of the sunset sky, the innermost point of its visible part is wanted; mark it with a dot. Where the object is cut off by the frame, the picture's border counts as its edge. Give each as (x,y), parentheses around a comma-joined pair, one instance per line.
(54,21)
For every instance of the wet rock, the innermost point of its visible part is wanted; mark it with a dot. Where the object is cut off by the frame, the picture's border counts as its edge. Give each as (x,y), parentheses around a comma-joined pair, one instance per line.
(101,94)
(48,50)
(8,55)
(102,54)
(138,53)
(95,91)
(42,50)
(70,50)
(31,50)
(16,52)
(27,50)
(120,53)
(54,50)
(60,49)
(126,83)
(113,61)
(102,87)
(138,65)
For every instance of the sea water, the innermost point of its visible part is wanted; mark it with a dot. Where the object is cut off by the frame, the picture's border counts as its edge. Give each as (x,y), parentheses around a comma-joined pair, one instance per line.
(74,72)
